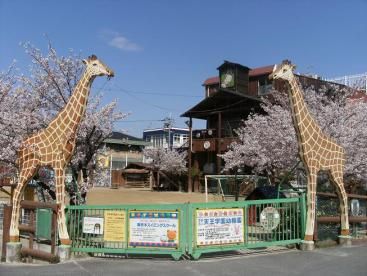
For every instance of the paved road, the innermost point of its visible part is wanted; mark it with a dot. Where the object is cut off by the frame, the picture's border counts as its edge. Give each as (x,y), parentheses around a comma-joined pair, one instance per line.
(329,261)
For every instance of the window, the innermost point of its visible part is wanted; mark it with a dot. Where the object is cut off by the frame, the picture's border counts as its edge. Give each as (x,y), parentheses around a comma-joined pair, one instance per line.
(157,141)
(176,138)
(185,138)
(264,86)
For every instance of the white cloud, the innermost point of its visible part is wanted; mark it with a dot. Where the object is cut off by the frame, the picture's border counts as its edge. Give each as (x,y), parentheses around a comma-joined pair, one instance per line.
(118,41)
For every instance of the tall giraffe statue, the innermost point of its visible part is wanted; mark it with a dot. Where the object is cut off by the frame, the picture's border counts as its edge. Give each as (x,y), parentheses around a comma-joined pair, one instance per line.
(54,147)
(316,149)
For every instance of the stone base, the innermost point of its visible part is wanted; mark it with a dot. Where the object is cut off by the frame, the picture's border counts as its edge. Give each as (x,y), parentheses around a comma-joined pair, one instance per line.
(13,252)
(307,245)
(64,252)
(345,241)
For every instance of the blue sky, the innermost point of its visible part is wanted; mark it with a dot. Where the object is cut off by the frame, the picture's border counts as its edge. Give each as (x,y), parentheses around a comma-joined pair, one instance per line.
(163,50)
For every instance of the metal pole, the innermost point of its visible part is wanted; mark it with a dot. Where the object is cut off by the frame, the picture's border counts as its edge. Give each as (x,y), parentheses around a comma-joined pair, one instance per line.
(111,171)
(303,206)
(125,159)
(236,186)
(206,189)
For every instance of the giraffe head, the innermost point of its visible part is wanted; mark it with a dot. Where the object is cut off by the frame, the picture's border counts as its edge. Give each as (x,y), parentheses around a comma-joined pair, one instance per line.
(97,68)
(283,71)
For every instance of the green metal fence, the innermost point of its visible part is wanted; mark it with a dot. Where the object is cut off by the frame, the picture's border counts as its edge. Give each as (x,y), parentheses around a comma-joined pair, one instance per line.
(114,229)
(264,223)
(190,228)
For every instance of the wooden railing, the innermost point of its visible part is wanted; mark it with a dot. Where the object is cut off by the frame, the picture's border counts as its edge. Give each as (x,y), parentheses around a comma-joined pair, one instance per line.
(336,218)
(31,230)
(212,144)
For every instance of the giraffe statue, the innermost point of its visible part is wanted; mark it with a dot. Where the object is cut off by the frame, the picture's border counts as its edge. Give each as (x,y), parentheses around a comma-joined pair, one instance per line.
(54,146)
(316,149)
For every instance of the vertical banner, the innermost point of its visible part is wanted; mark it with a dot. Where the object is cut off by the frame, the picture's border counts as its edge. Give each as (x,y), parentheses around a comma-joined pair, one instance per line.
(114,225)
(219,226)
(154,229)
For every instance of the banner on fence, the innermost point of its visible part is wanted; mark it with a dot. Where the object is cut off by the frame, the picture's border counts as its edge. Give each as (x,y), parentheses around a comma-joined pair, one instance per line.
(219,226)
(154,229)
(115,222)
(93,225)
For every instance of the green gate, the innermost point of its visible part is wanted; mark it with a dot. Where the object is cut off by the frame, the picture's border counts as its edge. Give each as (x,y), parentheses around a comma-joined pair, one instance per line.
(264,223)
(128,229)
(190,228)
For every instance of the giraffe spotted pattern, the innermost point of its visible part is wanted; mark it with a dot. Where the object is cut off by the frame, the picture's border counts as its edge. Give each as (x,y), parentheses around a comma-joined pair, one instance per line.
(317,150)
(54,146)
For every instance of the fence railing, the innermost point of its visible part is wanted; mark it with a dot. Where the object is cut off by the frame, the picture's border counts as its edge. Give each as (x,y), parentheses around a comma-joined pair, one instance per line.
(327,224)
(40,223)
(190,228)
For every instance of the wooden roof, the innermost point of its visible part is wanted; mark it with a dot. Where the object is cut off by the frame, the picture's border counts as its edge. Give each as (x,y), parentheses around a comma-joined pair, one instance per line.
(222,101)
(259,71)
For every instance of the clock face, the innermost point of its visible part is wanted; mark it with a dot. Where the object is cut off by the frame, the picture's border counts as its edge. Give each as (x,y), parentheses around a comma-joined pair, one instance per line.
(227,79)
(206,145)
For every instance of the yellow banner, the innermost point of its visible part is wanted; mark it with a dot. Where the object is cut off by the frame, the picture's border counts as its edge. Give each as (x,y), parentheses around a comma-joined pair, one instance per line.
(114,225)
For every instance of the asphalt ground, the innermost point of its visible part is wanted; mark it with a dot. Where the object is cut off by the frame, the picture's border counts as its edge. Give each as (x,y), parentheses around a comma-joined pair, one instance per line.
(331,261)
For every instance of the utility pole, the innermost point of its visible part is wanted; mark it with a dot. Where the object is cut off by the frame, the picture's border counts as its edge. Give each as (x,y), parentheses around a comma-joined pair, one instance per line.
(168,122)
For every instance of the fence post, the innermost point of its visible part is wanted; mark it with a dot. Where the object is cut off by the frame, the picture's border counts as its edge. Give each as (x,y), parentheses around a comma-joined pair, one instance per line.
(303,209)
(6,228)
(189,227)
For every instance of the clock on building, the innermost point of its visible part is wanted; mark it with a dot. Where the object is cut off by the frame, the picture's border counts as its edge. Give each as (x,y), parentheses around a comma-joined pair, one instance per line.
(234,77)
(227,79)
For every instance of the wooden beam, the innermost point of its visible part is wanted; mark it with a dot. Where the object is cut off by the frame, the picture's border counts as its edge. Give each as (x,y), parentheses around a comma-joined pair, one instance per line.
(28,204)
(336,219)
(6,228)
(189,183)
(219,141)
(335,195)
(38,254)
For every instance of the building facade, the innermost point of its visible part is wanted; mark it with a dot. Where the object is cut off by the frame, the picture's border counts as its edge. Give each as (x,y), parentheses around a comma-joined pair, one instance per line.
(229,98)
(173,138)
(122,150)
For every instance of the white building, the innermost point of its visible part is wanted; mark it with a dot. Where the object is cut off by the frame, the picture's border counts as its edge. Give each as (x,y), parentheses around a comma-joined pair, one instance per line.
(166,137)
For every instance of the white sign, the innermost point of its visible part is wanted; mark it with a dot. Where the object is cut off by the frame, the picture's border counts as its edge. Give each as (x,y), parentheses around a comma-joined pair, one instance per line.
(92,225)
(153,229)
(219,226)
(269,218)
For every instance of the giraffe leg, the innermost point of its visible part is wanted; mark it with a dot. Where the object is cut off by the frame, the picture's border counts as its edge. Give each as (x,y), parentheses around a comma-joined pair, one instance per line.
(311,205)
(26,173)
(60,199)
(337,179)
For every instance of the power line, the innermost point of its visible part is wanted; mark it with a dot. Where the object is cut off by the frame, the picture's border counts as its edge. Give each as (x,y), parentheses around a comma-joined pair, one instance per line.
(131,94)
(152,93)
(136,121)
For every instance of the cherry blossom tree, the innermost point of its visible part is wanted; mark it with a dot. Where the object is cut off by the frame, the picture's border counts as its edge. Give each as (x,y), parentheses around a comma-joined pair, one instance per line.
(29,102)
(168,161)
(267,142)
(8,127)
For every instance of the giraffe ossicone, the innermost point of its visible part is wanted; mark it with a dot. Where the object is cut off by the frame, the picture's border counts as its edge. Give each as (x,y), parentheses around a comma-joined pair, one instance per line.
(316,149)
(54,146)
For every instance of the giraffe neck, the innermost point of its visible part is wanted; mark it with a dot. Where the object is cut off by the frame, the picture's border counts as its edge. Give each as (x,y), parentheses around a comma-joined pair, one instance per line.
(303,120)
(70,116)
